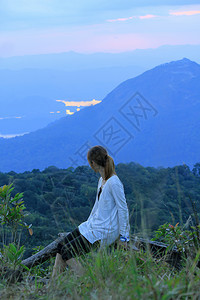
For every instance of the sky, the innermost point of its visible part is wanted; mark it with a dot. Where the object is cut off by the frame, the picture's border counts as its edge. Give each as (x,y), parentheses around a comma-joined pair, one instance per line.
(87,26)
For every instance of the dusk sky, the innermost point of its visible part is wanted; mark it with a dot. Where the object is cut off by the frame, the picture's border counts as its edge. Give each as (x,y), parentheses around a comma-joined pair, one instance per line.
(54,26)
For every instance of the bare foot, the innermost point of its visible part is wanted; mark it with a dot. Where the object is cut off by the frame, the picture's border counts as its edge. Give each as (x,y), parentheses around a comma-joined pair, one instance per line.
(59,266)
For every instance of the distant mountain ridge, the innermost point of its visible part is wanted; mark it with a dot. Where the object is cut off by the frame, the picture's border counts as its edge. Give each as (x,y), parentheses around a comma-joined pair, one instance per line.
(152,119)
(144,58)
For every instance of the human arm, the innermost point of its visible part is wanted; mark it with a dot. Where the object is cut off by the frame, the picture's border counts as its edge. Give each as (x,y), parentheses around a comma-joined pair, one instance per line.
(96,201)
(117,191)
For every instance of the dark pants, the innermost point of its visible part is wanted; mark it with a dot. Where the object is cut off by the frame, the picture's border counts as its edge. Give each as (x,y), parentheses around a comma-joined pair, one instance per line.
(75,244)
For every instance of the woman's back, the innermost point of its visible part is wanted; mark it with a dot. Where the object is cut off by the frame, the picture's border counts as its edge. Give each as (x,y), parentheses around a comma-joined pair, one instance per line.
(109,214)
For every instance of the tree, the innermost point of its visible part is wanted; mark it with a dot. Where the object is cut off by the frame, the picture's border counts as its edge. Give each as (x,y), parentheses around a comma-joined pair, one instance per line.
(196,169)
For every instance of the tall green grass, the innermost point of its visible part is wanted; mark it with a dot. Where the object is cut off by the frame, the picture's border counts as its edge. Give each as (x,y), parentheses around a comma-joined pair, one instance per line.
(113,274)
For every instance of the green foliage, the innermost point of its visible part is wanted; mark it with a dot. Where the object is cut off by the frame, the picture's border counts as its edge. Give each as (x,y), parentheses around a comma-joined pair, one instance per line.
(196,170)
(10,208)
(37,249)
(43,269)
(12,212)
(185,241)
(175,236)
(11,256)
(60,199)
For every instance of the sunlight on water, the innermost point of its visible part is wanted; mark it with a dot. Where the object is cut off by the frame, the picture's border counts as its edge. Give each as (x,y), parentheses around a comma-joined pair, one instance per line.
(8,136)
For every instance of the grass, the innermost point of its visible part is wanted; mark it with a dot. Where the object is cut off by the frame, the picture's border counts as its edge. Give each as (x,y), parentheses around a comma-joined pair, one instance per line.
(113,274)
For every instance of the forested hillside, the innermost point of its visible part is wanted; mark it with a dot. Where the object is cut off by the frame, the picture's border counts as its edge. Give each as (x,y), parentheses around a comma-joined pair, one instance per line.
(58,200)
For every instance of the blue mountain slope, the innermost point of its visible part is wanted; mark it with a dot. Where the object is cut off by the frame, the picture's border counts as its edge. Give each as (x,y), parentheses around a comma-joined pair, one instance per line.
(152,119)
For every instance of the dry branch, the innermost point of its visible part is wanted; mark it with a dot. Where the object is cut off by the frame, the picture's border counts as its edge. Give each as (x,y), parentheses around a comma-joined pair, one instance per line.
(46,253)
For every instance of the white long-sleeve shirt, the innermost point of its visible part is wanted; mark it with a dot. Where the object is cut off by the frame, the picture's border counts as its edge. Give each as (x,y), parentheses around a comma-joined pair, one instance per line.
(109,216)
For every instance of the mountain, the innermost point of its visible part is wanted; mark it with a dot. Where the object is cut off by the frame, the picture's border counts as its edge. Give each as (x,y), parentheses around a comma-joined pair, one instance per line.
(37,81)
(70,61)
(152,119)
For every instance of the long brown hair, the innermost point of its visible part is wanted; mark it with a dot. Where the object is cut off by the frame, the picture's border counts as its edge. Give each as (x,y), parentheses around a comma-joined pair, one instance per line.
(101,157)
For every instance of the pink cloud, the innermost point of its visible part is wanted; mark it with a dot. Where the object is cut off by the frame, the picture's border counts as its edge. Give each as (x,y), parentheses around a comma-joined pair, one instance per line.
(185,13)
(147,17)
(130,18)
(121,19)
